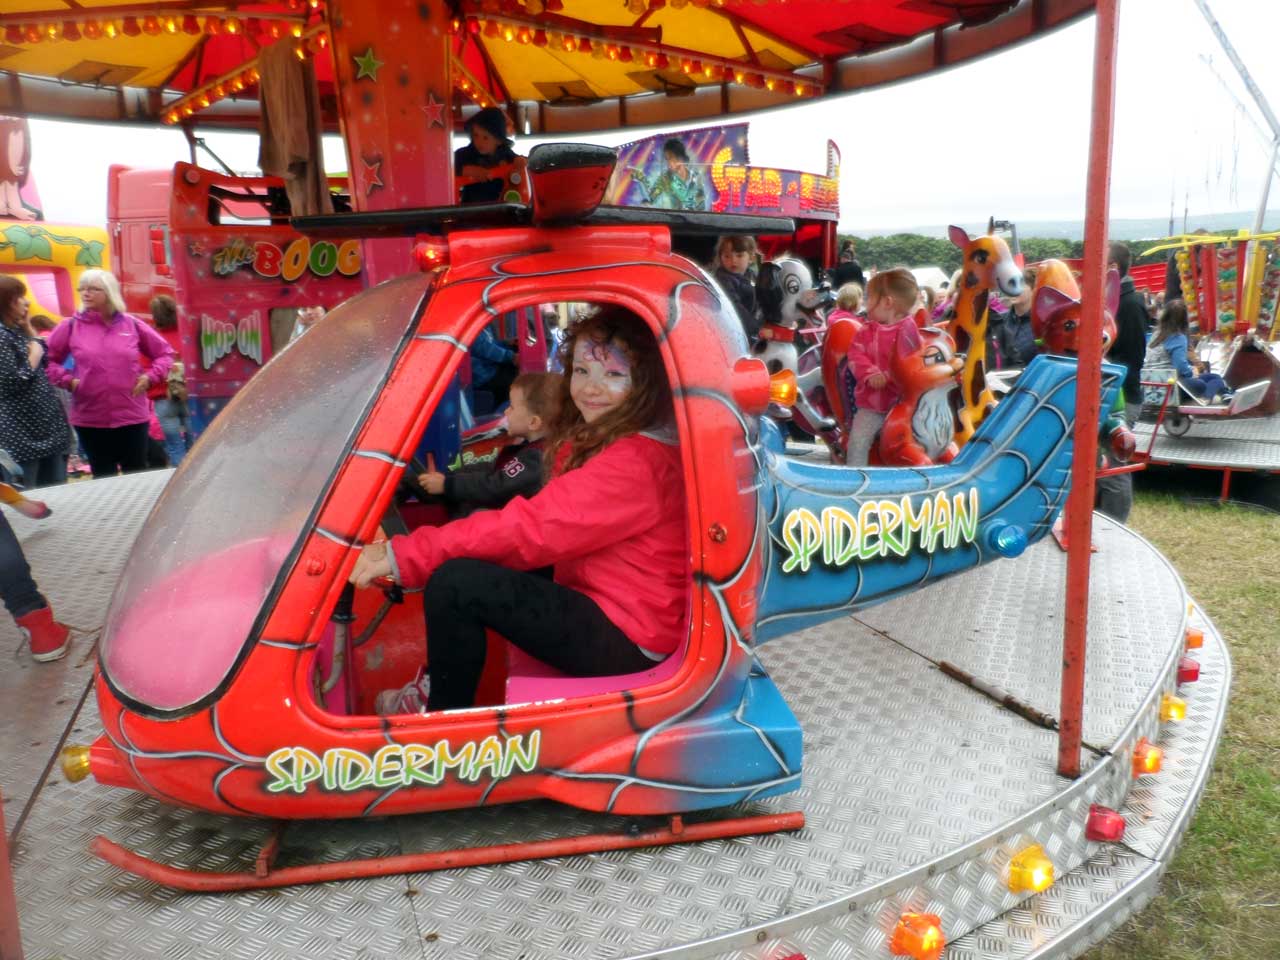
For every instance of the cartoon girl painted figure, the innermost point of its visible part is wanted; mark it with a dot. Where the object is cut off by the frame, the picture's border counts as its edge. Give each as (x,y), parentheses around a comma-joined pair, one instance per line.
(15,167)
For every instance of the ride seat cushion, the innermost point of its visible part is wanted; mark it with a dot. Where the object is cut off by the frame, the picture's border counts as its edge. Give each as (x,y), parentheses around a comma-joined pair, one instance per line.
(529,679)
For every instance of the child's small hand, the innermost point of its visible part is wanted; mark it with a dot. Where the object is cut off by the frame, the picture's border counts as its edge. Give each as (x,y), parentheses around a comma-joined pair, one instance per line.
(433,480)
(371,564)
(877,380)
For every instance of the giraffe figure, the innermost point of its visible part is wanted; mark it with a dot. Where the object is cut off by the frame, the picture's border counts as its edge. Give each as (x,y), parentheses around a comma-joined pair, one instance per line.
(987,264)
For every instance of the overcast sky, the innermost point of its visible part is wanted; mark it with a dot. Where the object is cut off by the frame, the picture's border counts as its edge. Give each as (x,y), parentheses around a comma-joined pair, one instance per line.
(1014,146)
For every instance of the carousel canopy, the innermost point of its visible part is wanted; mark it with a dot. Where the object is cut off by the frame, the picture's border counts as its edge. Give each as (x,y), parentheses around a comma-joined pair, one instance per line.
(558,65)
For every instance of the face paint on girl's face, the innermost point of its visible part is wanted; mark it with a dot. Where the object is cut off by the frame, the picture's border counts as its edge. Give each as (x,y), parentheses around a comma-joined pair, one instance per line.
(601,378)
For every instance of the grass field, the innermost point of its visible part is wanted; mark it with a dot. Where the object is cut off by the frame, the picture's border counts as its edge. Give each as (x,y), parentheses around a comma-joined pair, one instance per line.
(1220,899)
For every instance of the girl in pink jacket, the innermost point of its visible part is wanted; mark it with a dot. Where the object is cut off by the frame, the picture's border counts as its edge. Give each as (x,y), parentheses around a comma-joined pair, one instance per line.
(891,296)
(109,383)
(612,521)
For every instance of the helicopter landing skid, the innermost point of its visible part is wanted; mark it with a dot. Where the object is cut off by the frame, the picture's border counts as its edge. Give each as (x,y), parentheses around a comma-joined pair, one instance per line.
(263,876)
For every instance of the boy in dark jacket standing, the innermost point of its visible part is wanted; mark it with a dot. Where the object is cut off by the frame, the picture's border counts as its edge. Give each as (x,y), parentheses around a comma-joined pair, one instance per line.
(489,147)
(517,471)
(1130,347)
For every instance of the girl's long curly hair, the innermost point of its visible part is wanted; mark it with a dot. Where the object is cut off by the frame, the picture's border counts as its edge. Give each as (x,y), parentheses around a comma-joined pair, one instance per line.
(647,405)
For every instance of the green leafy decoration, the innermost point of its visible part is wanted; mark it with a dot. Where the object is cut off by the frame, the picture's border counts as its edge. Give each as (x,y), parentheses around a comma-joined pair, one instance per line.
(41,248)
(90,255)
(20,240)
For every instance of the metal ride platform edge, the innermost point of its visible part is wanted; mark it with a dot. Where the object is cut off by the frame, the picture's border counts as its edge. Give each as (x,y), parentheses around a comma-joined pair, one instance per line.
(917,791)
(1231,446)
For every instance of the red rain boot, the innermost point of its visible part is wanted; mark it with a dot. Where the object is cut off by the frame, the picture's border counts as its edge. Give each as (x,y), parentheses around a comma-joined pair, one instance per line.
(48,638)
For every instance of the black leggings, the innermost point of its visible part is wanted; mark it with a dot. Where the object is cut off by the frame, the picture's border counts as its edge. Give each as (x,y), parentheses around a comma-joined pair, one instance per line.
(561,627)
(109,448)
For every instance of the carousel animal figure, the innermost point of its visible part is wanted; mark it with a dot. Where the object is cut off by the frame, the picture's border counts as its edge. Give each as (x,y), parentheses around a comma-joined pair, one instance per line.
(1055,320)
(838,380)
(988,265)
(788,298)
(1055,274)
(920,428)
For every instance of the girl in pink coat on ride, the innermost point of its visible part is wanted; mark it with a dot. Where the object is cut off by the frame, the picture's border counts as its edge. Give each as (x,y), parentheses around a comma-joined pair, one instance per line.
(612,521)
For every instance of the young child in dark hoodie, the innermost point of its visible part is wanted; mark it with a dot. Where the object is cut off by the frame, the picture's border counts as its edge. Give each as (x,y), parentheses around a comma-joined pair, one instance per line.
(517,471)
(734,257)
(489,147)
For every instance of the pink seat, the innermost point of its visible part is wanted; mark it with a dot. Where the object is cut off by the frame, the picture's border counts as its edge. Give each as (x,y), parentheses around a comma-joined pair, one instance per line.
(529,679)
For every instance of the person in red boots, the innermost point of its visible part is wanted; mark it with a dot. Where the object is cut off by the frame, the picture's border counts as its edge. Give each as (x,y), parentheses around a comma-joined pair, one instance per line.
(26,604)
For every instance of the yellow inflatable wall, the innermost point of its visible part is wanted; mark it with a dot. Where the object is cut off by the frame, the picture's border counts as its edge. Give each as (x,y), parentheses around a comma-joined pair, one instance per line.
(52,248)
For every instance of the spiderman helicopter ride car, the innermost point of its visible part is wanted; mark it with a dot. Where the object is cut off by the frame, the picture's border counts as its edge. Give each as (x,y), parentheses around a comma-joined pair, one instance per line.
(237,673)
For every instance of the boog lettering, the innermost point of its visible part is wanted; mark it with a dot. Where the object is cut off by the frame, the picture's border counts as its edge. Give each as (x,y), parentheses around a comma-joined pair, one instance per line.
(838,536)
(341,769)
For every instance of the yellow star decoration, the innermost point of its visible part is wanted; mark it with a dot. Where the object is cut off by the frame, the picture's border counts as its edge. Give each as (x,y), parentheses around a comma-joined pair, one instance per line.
(368,65)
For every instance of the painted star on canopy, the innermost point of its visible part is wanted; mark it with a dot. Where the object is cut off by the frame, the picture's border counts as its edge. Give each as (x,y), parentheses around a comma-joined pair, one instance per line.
(368,65)
(434,109)
(372,174)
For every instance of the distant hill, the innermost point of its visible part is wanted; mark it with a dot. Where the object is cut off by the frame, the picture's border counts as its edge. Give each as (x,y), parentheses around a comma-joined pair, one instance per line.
(1132,229)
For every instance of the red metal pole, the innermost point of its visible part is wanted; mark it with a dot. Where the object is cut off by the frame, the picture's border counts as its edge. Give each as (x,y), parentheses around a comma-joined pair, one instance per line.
(1242,317)
(1208,287)
(10,935)
(677,832)
(1088,384)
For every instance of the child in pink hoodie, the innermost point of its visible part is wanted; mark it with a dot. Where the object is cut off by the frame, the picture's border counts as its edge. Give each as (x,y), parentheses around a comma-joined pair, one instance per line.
(891,296)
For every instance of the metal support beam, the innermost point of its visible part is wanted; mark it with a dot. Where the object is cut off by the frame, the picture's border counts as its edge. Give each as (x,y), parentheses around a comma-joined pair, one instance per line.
(1088,383)
(10,935)
(1236,62)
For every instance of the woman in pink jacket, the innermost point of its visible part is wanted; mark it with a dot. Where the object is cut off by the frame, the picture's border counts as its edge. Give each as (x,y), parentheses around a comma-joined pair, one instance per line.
(612,520)
(109,382)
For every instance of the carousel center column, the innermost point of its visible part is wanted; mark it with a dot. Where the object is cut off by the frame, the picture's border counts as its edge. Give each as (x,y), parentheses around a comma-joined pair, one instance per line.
(392,67)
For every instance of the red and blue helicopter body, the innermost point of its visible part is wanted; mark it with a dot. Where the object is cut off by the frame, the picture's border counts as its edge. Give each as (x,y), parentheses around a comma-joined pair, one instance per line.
(227,683)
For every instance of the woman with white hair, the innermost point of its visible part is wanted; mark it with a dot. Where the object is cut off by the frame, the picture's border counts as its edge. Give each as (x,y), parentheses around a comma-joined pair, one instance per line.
(118,358)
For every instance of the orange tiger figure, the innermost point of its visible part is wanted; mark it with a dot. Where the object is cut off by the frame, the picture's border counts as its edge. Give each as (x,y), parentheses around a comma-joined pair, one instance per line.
(1058,314)
(919,429)
(1055,316)
(1055,274)
(988,264)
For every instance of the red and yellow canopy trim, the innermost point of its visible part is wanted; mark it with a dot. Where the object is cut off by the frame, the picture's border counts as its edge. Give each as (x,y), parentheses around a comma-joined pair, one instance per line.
(557,64)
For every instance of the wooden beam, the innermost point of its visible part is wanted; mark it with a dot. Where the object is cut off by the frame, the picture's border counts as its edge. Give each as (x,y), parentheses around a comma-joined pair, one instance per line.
(738,22)
(746,44)
(197,50)
(495,79)
(679,53)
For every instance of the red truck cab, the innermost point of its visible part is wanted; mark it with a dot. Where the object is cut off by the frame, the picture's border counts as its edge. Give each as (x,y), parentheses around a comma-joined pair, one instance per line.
(138,222)
(222,247)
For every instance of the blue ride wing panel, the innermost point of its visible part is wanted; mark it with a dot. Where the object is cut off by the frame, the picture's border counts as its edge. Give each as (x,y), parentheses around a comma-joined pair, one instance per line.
(843,538)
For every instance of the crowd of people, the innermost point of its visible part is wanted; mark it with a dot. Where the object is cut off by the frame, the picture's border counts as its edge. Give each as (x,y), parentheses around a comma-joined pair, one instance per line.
(100,392)
(889,306)
(101,387)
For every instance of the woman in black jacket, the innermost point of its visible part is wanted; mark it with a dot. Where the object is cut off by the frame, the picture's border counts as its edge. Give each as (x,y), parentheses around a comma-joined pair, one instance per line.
(33,426)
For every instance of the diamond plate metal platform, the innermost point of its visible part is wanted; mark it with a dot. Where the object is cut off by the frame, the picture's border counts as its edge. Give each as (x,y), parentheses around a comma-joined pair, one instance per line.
(917,791)
(1230,444)
(76,556)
